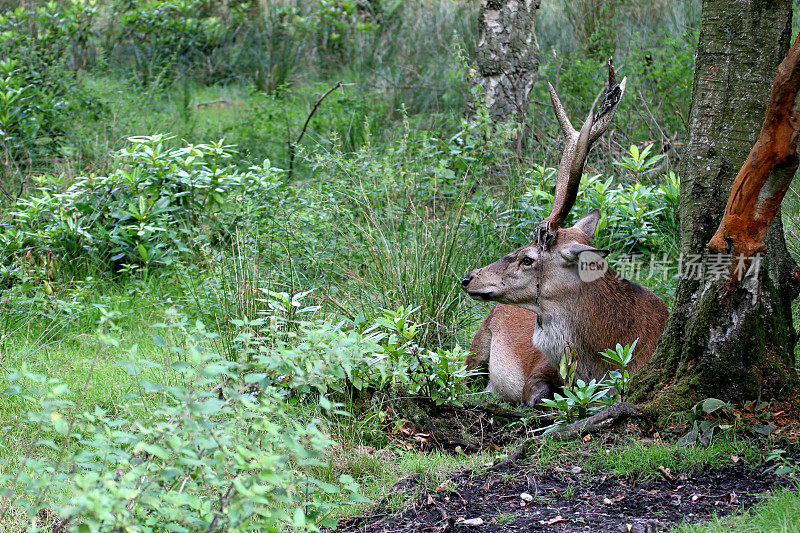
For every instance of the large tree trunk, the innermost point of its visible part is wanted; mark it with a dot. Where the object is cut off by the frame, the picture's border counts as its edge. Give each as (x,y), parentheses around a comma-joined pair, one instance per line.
(508,57)
(734,342)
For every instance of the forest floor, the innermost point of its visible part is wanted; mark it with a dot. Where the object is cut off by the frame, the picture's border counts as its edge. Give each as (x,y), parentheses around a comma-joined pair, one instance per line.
(556,489)
(517,498)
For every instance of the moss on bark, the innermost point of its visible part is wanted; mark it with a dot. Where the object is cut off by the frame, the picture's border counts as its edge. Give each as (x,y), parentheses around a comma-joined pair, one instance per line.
(734,344)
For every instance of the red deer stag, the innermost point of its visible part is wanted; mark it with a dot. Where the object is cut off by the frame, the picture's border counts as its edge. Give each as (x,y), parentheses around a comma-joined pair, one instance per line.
(557,298)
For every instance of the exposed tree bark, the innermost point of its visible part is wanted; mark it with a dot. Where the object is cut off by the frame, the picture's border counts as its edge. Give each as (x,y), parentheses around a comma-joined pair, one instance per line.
(508,57)
(731,342)
(764,178)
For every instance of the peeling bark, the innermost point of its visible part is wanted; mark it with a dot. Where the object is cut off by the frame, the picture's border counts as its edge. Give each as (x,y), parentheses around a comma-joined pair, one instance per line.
(508,57)
(764,178)
(734,343)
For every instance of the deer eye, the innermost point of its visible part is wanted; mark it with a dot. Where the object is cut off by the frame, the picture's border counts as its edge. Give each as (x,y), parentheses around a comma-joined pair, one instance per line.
(526,261)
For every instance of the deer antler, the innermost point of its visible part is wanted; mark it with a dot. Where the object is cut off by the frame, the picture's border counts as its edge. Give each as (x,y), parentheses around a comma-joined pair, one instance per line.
(578,144)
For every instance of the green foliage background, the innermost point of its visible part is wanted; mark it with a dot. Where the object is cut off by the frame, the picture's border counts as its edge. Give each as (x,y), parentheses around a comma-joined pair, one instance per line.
(188,336)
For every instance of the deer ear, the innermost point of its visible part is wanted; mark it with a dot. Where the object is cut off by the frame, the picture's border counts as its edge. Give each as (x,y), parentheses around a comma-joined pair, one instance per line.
(588,223)
(572,251)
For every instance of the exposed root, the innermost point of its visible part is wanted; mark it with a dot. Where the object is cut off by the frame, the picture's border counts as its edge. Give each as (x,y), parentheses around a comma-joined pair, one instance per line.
(593,424)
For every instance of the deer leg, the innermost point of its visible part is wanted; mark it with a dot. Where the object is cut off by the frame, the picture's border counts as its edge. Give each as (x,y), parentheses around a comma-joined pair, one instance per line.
(535,391)
(480,349)
(541,384)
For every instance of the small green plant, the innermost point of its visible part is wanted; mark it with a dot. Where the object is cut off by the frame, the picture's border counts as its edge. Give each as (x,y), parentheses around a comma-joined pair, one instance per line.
(782,465)
(502,519)
(622,356)
(578,402)
(639,162)
(582,399)
(712,415)
(568,365)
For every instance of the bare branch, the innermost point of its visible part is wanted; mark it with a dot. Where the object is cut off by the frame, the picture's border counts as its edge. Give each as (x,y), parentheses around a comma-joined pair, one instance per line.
(593,424)
(293,145)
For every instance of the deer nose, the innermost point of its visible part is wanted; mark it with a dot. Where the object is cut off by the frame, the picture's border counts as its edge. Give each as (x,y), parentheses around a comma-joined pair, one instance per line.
(466,281)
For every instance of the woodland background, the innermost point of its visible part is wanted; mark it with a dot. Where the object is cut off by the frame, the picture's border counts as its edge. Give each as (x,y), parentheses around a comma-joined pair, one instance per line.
(192,334)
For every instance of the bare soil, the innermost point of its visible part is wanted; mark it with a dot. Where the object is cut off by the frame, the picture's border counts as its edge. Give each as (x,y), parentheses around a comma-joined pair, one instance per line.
(568,500)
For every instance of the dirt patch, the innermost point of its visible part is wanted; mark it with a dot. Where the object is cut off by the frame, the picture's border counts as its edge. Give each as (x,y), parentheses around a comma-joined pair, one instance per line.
(456,429)
(519,499)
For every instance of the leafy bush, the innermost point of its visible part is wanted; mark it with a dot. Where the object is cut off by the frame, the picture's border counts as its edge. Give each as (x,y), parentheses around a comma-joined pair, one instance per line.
(176,37)
(578,402)
(192,448)
(157,205)
(634,217)
(582,399)
(37,96)
(710,416)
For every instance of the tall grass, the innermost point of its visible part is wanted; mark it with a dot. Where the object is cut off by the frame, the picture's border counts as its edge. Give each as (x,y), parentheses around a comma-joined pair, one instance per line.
(418,259)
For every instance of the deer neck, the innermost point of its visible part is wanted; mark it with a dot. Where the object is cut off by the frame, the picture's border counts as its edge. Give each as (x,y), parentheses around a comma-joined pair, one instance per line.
(587,323)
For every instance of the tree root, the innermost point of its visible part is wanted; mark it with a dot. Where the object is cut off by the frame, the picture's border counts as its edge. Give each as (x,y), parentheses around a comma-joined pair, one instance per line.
(593,424)
(441,438)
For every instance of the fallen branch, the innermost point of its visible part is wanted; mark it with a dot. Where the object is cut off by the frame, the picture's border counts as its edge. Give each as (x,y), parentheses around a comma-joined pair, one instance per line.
(593,424)
(605,418)
(293,145)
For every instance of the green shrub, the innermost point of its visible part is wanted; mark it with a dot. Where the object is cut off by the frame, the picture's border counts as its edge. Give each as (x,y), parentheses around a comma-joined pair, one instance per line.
(157,205)
(194,447)
(38,97)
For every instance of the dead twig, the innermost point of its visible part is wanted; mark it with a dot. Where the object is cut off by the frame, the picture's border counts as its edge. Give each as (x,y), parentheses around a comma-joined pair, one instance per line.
(293,145)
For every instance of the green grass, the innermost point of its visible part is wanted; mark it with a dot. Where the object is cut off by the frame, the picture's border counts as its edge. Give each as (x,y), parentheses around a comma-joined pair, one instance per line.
(780,513)
(641,459)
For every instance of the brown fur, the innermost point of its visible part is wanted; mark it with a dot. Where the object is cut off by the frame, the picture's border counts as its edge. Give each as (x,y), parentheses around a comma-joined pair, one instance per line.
(516,326)
(590,317)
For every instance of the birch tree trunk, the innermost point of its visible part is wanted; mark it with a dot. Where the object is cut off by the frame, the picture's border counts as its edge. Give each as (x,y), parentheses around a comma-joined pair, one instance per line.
(733,343)
(508,57)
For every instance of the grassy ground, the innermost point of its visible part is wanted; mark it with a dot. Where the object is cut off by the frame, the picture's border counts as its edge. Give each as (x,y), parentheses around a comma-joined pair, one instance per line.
(394,197)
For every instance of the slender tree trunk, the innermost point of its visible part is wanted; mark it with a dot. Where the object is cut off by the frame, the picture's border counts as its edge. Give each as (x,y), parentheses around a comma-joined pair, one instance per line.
(508,57)
(731,342)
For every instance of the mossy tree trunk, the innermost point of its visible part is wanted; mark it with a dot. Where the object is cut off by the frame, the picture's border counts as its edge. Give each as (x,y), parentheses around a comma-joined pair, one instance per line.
(733,341)
(508,58)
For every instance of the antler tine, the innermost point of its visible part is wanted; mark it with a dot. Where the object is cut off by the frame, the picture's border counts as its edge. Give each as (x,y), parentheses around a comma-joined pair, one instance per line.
(570,170)
(602,123)
(612,99)
(577,146)
(561,113)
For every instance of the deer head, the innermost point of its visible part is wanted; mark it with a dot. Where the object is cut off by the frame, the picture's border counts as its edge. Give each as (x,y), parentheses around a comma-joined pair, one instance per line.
(539,278)
(553,268)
